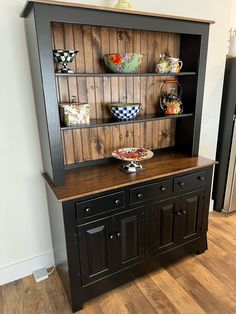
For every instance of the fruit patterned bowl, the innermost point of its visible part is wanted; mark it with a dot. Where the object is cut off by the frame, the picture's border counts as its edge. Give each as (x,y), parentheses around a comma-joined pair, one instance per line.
(132,155)
(123,62)
(124,111)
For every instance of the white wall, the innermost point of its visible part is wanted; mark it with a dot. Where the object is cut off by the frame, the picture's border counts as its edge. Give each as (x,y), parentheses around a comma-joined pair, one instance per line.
(25,242)
(233,15)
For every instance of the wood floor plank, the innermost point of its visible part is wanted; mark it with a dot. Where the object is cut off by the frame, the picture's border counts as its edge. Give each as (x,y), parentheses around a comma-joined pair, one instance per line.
(155,296)
(135,300)
(112,303)
(207,279)
(201,295)
(12,298)
(176,294)
(203,283)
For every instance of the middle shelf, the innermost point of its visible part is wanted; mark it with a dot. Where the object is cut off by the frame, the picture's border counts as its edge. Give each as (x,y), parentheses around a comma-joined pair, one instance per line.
(111,121)
(123,74)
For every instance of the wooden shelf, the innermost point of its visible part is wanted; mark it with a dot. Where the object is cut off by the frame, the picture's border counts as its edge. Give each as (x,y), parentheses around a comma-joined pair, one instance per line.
(108,122)
(122,74)
(91,180)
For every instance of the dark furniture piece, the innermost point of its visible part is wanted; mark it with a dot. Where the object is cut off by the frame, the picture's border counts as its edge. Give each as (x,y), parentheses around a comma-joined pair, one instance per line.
(116,227)
(109,227)
(224,171)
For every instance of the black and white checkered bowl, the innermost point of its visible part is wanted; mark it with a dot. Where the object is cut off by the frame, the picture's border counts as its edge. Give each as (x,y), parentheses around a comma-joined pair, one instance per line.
(125,111)
(62,55)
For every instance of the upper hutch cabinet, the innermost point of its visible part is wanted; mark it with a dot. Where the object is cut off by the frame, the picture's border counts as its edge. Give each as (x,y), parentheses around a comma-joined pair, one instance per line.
(95,32)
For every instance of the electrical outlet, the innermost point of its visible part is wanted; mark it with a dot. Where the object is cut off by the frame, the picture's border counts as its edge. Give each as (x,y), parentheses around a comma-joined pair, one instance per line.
(40,274)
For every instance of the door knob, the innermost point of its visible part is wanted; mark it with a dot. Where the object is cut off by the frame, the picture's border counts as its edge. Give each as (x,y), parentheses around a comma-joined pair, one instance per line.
(178,213)
(183,212)
(111,237)
(140,196)
(118,234)
(201,178)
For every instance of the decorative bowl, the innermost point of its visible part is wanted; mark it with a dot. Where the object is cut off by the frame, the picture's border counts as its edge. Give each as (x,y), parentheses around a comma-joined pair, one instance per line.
(65,57)
(123,62)
(124,111)
(132,155)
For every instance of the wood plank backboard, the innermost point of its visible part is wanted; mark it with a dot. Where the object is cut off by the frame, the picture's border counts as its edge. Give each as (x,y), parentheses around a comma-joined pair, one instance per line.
(93,42)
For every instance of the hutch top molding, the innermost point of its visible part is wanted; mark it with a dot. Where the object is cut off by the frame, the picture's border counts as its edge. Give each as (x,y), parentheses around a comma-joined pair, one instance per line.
(29,4)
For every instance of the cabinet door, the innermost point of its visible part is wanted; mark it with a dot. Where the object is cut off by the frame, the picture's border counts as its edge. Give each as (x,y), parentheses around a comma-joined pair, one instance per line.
(96,244)
(164,224)
(191,208)
(130,235)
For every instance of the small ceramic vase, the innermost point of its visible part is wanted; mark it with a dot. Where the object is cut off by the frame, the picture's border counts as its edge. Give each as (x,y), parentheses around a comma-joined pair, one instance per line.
(175,65)
(123,4)
(163,65)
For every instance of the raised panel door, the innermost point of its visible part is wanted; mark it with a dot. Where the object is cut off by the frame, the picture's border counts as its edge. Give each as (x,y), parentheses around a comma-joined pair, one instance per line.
(191,208)
(96,244)
(130,235)
(164,224)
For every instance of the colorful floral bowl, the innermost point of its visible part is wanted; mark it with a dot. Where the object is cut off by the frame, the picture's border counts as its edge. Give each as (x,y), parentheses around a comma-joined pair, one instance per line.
(124,111)
(123,62)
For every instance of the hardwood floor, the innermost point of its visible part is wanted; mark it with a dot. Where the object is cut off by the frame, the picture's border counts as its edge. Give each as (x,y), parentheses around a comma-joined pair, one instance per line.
(197,284)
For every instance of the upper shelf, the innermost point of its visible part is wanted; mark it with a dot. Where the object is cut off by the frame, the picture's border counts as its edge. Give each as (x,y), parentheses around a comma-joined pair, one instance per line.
(124,74)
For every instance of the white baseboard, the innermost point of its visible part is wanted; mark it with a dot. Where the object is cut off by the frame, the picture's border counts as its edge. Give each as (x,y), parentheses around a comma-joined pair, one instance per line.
(23,268)
(211,205)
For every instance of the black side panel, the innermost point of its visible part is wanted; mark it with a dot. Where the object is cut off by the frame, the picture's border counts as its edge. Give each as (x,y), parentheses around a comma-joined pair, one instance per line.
(193,52)
(38,92)
(58,239)
(228,109)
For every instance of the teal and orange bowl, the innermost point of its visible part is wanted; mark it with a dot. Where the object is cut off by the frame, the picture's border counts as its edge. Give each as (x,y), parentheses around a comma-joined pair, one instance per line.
(123,62)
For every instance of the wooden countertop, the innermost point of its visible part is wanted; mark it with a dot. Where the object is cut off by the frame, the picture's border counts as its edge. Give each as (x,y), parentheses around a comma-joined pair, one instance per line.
(91,180)
(29,4)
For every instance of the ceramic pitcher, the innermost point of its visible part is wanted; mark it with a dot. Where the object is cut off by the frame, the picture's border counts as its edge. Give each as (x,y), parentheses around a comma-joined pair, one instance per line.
(175,65)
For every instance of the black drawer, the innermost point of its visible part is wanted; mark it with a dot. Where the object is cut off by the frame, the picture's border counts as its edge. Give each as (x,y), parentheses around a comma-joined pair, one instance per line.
(99,205)
(149,191)
(189,181)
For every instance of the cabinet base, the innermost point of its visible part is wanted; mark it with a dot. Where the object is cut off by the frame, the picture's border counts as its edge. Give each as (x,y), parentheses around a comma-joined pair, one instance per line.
(97,288)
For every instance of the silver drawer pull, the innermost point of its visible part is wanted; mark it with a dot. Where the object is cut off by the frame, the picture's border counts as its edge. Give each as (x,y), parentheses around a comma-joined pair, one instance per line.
(163,188)
(181,184)
(87,210)
(117,202)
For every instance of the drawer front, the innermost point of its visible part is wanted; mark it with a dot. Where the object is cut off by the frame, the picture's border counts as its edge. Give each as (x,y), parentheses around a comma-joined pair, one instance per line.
(99,205)
(149,191)
(189,181)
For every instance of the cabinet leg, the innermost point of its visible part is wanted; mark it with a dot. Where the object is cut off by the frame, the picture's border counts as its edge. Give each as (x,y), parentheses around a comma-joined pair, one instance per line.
(203,247)
(77,308)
